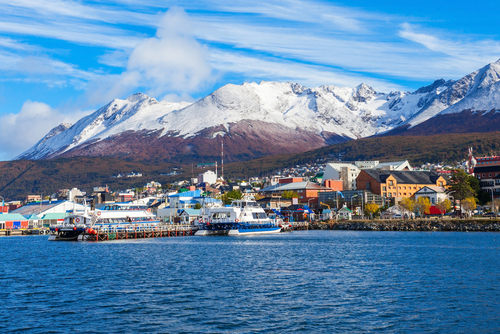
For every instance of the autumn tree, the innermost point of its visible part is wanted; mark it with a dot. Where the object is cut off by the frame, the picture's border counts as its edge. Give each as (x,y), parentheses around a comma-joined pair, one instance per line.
(422,204)
(371,209)
(495,205)
(460,185)
(468,204)
(288,194)
(408,204)
(444,205)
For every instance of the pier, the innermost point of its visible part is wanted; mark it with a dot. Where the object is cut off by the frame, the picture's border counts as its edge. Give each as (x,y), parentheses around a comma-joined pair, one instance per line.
(164,231)
(17,232)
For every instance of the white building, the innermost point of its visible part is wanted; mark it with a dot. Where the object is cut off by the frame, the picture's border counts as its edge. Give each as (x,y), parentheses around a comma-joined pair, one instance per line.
(208,177)
(433,193)
(73,193)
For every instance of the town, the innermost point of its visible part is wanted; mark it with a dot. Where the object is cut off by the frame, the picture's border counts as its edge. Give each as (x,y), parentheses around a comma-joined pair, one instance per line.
(322,191)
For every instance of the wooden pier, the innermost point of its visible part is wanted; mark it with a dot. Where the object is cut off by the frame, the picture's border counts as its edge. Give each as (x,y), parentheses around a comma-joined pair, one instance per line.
(139,233)
(16,232)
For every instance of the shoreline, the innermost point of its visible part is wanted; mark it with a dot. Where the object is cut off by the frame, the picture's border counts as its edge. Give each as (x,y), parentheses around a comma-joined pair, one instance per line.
(459,225)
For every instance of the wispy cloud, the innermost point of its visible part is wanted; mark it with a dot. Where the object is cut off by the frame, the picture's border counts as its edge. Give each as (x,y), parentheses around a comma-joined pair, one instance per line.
(171,62)
(30,124)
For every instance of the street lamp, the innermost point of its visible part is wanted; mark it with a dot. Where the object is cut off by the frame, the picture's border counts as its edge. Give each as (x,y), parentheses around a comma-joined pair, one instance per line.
(492,199)
(355,195)
(3,199)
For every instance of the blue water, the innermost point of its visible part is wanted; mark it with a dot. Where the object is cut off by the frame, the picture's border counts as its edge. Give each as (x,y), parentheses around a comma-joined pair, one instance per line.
(305,281)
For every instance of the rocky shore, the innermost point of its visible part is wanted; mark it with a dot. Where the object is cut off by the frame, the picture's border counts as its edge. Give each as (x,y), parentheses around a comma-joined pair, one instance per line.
(411,225)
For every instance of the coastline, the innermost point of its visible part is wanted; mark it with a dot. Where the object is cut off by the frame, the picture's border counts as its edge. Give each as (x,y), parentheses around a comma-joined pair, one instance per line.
(458,225)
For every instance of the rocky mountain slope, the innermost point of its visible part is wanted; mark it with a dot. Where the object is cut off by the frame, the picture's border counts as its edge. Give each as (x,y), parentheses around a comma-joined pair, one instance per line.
(261,119)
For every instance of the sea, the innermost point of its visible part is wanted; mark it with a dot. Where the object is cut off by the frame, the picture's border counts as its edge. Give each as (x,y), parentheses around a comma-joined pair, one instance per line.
(304,281)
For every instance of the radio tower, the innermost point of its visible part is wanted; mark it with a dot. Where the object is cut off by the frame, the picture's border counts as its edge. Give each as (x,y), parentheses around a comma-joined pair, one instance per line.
(222,159)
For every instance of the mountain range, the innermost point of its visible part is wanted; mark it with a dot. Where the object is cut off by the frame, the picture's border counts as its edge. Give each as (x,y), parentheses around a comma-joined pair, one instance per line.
(255,120)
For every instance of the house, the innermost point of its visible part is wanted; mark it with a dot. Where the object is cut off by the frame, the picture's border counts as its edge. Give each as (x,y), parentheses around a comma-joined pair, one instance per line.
(274,201)
(208,177)
(13,221)
(488,175)
(344,214)
(188,216)
(397,184)
(307,191)
(433,193)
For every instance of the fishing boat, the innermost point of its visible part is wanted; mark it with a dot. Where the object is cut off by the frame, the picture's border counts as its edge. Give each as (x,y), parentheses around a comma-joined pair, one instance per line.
(243,217)
(112,217)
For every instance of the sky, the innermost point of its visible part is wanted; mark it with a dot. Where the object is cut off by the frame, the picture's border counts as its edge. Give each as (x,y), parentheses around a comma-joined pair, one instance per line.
(62,59)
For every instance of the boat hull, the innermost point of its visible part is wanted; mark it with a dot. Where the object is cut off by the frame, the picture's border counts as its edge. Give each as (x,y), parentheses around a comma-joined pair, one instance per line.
(240,232)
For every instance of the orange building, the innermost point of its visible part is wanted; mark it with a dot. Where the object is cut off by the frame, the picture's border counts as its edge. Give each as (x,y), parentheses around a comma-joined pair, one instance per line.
(397,184)
(335,185)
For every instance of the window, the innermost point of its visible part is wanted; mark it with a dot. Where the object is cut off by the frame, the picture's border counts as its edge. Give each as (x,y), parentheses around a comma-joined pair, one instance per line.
(399,188)
(394,194)
(384,194)
(384,188)
(391,183)
(440,184)
(404,194)
(399,194)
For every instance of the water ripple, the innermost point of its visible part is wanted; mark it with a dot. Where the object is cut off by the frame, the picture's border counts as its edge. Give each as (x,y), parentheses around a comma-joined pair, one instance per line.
(310,281)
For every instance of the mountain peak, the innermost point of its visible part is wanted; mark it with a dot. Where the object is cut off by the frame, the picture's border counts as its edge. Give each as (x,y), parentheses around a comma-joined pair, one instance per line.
(137,97)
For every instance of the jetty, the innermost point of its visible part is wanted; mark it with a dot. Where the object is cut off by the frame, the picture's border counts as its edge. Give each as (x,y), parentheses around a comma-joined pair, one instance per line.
(162,231)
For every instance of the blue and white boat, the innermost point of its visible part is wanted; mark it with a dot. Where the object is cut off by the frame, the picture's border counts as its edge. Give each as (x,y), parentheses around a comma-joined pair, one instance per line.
(243,217)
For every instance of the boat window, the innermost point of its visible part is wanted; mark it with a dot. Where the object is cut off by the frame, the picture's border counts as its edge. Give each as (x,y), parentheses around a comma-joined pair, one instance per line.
(220,215)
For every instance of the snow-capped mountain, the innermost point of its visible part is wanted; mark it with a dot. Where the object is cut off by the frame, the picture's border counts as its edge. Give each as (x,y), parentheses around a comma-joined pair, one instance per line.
(260,119)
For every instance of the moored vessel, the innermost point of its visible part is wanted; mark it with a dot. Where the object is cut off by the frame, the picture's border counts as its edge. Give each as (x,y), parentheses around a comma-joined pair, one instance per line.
(112,217)
(243,217)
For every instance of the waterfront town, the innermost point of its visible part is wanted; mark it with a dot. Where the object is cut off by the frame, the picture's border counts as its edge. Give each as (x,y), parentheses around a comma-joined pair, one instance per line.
(322,191)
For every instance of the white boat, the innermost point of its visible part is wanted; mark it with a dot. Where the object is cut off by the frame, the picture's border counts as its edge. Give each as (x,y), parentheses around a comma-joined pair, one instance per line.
(243,217)
(113,217)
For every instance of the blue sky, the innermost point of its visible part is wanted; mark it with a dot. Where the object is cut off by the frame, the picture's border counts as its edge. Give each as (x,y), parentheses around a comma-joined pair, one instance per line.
(61,60)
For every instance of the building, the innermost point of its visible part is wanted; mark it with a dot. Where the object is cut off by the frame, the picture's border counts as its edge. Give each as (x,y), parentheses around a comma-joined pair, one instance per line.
(433,193)
(306,190)
(46,207)
(397,184)
(488,175)
(344,214)
(207,177)
(13,221)
(351,198)
(348,171)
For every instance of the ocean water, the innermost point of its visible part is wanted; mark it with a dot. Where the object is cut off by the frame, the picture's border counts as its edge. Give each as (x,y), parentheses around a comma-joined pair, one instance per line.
(305,281)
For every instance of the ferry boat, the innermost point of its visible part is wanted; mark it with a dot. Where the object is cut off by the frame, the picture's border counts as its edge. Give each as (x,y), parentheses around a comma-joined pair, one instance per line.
(243,217)
(116,217)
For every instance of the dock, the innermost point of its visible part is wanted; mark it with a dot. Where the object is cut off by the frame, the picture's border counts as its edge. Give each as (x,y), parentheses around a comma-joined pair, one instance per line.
(17,232)
(165,231)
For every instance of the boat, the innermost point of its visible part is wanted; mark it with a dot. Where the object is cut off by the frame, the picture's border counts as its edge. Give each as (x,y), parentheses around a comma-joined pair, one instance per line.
(112,217)
(242,217)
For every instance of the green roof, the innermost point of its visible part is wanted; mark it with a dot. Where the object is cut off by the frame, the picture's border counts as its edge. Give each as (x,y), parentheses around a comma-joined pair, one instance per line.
(7,217)
(52,216)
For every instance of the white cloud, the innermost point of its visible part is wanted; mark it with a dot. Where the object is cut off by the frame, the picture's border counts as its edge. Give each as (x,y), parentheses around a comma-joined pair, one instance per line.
(308,75)
(171,62)
(18,132)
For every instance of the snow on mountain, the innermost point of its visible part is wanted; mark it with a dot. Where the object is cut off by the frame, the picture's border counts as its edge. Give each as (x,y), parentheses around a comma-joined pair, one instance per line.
(324,112)
(479,91)
(136,113)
